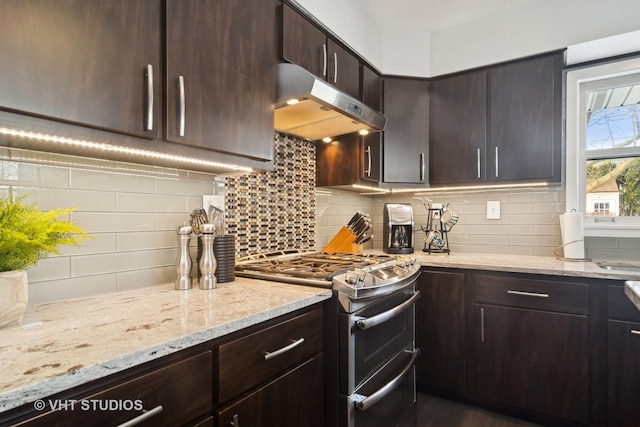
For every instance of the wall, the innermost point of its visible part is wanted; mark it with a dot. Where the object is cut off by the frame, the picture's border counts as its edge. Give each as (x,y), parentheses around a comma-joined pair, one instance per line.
(529,223)
(131,210)
(522,30)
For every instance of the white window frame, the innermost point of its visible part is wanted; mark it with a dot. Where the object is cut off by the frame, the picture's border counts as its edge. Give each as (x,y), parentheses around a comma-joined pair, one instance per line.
(577,80)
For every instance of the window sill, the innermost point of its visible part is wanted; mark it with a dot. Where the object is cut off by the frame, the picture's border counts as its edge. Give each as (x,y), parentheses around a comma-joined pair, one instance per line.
(612,230)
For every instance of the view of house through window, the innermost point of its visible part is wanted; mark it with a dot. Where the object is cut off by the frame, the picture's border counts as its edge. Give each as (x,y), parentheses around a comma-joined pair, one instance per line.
(612,139)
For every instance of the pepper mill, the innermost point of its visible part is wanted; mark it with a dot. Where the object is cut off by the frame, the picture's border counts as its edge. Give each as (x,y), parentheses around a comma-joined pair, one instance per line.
(183,262)
(208,260)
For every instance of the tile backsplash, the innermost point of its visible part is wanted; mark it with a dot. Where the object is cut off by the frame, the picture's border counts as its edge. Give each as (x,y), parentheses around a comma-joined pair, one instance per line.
(133,211)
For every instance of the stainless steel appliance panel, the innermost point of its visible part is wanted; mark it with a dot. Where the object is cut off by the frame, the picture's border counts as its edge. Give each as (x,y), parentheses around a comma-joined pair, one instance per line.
(375,334)
(387,398)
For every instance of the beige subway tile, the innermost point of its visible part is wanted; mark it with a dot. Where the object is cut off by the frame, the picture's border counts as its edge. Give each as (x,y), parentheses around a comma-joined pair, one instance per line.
(526,229)
(128,202)
(100,222)
(87,265)
(534,240)
(100,243)
(511,250)
(171,221)
(534,219)
(111,181)
(145,240)
(544,251)
(485,239)
(516,208)
(31,174)
(51,268)
(87,201)
(148,277)
(58,290)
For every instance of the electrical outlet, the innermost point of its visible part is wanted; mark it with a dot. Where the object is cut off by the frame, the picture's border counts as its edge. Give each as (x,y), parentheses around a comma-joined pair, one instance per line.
(209,200)
(493,209)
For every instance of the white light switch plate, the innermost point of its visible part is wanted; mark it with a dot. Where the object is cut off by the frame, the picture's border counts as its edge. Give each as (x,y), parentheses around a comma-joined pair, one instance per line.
(493,209)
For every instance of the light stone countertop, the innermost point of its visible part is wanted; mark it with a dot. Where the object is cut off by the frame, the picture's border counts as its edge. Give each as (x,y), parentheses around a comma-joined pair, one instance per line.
(64,344)
(523,264)
(632,290)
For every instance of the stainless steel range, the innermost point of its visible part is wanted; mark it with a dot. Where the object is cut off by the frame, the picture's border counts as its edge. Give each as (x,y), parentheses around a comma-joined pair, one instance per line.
(370,330)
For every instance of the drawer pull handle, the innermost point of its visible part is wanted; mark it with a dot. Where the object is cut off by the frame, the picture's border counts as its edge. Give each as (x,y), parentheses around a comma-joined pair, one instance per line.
(634,332)
(181,105)
(370,322)
(529,294)
(149,76)
(235,422)
(294,344)
(142,417)
(365,402)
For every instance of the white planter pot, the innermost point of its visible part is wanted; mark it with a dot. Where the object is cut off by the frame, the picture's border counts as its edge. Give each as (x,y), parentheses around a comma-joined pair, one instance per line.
(14,296)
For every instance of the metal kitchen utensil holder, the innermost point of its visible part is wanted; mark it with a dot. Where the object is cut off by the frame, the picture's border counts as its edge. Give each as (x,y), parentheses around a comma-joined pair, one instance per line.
(435,228)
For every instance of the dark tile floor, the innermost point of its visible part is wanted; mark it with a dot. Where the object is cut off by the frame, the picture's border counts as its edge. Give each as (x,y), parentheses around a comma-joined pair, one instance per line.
(437,412)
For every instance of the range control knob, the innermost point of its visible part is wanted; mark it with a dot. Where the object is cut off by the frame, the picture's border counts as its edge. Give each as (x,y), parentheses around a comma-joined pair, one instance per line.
(355,277)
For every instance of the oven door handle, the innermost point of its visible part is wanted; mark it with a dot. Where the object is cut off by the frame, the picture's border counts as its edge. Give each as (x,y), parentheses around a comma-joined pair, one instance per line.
(365,402)
(366,323)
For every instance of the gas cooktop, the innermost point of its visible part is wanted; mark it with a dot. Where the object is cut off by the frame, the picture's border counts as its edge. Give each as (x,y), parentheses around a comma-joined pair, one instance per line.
(308,268)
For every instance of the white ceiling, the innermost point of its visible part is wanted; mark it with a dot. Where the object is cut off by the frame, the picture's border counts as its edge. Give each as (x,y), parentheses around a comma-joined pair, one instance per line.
(434,15)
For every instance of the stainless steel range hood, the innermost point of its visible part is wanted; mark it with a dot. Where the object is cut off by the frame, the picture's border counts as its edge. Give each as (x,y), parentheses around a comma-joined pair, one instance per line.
(310,108)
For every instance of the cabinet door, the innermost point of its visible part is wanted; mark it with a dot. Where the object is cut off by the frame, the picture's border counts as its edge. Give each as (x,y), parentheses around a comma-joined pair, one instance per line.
(534,360)
(458,129)
(338,162)
(303,43)
(371,144)
(344,70)
(293,400)
(406,105)
(220,75)
(440,331)
(525,116)
(83,62)
(624,372)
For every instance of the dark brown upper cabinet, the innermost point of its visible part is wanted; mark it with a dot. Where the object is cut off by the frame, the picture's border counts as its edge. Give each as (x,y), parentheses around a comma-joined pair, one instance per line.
(405,141)
(458,131)
(502,123)
(525,118)
(220,77)
(306,45)
(94,63)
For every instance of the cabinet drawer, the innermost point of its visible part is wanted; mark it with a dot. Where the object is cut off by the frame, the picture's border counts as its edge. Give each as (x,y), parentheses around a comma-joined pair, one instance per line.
(535,294)
(620,308)
(248,361)
(295,399)
(177,394)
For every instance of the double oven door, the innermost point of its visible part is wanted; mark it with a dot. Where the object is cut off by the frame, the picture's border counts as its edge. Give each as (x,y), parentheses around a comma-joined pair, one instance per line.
(376,359)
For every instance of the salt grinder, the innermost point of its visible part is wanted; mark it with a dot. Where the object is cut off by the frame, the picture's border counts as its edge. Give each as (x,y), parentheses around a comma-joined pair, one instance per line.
(208,260)
(183,262)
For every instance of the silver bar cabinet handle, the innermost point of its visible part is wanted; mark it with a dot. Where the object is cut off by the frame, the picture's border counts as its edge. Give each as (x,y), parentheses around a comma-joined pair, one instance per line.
(497,162)
(235,422)
(270,355)
(335,67)
(421,166)
(529,294)
(149,76)
(366,323)
(365,402)
(142,417)
(182,105)
(634,332)
(368,152)
(482,324)
(324,59)
(478,163)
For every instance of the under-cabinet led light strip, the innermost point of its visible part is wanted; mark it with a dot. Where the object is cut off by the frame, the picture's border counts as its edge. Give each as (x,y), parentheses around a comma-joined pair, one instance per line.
(101,146)
(531,185)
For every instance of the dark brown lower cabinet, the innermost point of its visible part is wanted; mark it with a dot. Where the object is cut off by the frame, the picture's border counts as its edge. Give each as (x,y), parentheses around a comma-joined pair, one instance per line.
(534,360)
(178,394)
(440,332)
(294,399)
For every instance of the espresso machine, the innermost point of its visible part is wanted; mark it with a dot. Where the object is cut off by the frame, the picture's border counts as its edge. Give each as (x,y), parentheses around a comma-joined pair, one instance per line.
(397,228)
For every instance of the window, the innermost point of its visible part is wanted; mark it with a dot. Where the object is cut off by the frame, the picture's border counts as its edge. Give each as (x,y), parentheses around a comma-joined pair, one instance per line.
(603,147)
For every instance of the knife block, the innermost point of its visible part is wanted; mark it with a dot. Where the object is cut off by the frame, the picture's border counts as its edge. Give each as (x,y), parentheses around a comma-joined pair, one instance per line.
(343,242)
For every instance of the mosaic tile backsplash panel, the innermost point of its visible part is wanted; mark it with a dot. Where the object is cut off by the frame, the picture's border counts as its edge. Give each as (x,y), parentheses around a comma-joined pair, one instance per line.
(275,210)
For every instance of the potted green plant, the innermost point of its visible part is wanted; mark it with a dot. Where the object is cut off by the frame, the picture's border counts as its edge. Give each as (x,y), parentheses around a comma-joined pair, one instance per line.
(27,236)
